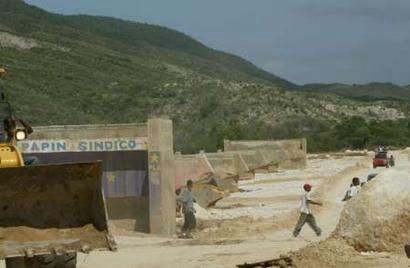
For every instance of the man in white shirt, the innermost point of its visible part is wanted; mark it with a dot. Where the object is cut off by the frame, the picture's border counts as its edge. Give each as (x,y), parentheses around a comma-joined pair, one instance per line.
(306,215)
(353,190)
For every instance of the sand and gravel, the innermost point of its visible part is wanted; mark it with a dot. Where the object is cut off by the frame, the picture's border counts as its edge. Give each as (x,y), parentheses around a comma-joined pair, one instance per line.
(373,227)
(256,224)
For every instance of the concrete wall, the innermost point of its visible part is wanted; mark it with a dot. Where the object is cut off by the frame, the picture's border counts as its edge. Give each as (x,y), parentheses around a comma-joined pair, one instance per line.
(153,211)
(131,208)
(197,166)
(242,159)
(191,167)
(227,164)
(74,132)
(284,154)
(291,144)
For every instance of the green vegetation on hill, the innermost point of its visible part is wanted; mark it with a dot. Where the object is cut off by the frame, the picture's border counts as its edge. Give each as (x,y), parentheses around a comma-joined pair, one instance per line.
(367,92)
(85,69)
(94,69)
(357,133)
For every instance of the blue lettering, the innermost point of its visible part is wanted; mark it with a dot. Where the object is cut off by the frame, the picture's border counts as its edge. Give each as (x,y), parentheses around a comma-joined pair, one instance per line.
(25,146)
(82,146)
(61,146)
(34,147)
(99,146)
(45,146)
(132,144)
(108,145)
(123,145)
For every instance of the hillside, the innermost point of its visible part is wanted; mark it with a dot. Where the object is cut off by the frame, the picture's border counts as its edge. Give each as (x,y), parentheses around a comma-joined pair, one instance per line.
(85,69)
(367,92)
(103,58)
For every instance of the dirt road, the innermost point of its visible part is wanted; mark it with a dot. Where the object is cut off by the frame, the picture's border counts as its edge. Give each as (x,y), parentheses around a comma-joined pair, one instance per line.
(231,241)
(249,226)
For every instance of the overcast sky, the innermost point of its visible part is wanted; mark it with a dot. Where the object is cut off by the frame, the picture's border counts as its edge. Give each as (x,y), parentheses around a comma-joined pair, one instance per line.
(304,41)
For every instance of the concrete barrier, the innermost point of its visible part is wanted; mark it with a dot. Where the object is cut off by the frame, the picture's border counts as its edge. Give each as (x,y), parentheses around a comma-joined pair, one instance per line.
(291,144)
(276,154)
(226,165)
(191,167)
(241,159)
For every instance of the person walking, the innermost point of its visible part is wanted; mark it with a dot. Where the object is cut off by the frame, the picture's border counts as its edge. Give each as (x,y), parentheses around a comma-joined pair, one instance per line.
(391,161)
(187,200)
(306,215)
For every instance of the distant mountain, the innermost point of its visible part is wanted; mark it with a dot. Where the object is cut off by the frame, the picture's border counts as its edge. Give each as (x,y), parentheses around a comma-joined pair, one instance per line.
(86,69)
(367,92)
(129,37)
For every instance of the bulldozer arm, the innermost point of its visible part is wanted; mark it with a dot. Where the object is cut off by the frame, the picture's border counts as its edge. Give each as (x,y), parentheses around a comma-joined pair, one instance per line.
(52,209)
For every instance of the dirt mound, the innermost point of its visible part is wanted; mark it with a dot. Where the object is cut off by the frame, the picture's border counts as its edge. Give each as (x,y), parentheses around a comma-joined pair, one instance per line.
(377,219)
(332,252)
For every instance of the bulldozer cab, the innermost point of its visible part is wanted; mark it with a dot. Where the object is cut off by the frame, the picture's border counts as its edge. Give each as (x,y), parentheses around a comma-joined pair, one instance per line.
(5,115)
(48,210)
(12,129)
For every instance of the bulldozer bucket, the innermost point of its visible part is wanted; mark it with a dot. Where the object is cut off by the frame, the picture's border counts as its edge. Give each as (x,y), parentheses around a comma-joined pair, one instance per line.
(48,209)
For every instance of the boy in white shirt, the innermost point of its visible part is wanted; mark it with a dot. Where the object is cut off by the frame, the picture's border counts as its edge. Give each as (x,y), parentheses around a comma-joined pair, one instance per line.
(353,190)
(306,215)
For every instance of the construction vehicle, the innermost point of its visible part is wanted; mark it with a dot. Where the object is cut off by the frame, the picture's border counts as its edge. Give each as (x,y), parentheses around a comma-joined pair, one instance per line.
(381,160)
(48,213)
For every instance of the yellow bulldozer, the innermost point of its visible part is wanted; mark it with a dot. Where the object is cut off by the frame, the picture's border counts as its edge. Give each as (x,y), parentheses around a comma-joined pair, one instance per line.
(48,213)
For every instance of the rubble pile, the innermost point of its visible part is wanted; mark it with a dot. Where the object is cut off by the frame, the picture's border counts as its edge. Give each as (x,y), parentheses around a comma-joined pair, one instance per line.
(210,189)
(376,220)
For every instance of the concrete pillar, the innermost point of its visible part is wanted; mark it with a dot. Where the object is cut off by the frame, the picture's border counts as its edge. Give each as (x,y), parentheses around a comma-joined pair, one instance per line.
(161,177)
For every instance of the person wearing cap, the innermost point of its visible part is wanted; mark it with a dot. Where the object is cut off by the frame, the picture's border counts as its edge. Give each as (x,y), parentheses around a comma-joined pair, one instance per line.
(306,215)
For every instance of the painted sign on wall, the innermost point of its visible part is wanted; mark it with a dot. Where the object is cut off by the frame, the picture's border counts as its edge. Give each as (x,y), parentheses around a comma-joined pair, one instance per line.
(83,145)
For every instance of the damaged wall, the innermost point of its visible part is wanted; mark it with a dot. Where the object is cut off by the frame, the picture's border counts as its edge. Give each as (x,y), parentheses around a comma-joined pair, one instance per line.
(191,167)
(138,168)
(284,154)
(240,159)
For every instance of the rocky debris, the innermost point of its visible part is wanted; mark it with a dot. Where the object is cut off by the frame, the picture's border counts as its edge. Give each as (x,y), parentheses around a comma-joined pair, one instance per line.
(329,253)
(228,184)
(377,219)
(282,262)
(208,190)
(201,213)
(340,154)
(207,195)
